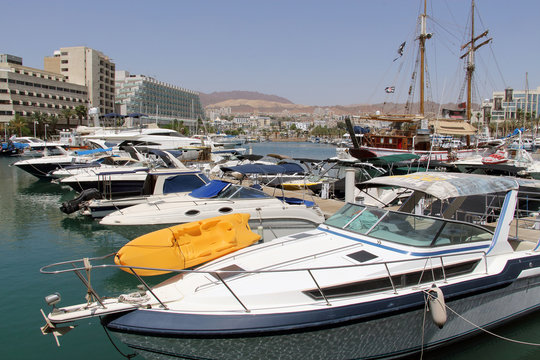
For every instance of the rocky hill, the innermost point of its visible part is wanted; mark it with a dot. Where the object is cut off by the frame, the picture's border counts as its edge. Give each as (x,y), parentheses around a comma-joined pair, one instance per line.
(221,96)
(249,102)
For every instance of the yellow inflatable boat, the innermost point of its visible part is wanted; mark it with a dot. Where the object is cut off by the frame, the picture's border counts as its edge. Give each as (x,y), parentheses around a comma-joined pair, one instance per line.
(186,245)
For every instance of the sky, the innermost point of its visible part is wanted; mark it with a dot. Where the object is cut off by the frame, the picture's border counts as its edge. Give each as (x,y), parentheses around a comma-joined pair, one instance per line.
(311,52)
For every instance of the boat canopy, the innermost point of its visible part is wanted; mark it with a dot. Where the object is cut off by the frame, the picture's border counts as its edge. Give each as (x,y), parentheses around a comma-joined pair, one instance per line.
(93,151)
(453,127)
(285,168)
(446,185)
(390,159)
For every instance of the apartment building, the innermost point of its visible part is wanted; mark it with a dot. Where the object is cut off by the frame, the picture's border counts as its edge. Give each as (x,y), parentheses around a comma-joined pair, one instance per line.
(160,101)
(508,103)
(24,90)
(91,68)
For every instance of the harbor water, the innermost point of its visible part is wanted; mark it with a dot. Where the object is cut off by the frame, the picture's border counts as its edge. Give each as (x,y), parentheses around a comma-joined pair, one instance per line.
(36,233)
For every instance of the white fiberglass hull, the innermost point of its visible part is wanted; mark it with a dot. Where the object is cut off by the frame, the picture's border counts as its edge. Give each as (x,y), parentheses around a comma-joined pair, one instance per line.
(385,335)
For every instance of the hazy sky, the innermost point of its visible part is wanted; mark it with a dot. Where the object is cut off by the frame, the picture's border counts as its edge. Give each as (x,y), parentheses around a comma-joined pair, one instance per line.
(309,51)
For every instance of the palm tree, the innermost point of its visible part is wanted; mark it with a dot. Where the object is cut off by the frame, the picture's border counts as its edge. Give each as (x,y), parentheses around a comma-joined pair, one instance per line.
(80,112)
(66,114)
(19,124)
(39,118)
(52,120)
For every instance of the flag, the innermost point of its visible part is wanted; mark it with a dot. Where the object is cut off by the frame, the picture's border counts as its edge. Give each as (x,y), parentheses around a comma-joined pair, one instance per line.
(390,89)
(400,50)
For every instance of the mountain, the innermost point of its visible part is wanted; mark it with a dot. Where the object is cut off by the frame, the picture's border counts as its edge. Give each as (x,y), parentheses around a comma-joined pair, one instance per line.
(221,96)
(250,102)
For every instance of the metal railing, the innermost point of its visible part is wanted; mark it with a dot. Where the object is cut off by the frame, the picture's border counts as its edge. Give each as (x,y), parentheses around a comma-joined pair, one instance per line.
(430,265)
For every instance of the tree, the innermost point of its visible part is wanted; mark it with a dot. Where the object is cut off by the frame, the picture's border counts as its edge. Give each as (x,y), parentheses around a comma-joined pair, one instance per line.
(52,120)
(80,112)
(19,125)
(40,118)
(66,114)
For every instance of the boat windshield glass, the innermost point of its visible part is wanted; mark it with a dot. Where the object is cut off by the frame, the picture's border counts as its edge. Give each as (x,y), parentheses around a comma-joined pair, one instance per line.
(404,228)
(241,192)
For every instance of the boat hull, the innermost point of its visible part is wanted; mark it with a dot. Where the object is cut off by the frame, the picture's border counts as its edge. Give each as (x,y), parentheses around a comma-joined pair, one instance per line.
(366,152)
(42,170)
(391,327)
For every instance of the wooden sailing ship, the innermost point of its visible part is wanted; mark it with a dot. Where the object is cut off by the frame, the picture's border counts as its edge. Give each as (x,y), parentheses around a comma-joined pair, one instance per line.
(411,133)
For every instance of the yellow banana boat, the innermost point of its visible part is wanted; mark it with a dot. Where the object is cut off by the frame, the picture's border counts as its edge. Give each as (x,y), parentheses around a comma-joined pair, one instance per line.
(186,245)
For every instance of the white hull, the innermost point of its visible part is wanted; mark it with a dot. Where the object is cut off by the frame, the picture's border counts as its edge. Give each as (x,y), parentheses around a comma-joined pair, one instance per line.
(363,339)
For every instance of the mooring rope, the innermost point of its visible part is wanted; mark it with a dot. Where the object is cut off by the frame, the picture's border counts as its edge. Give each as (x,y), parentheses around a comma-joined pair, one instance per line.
(128,356)
(478,327)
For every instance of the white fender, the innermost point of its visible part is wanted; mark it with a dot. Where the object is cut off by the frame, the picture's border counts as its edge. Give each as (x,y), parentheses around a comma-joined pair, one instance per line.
(437,306)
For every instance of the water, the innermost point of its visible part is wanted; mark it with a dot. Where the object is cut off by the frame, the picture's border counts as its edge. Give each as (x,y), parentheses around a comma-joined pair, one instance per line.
(36,233)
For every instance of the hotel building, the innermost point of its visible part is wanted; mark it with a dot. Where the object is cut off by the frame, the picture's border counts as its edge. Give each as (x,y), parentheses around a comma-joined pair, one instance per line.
(24,90)
(158,100)
(88,67)
(505,104)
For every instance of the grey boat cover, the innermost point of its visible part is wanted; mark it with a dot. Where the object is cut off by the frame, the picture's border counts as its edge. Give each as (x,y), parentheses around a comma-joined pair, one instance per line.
(450,185)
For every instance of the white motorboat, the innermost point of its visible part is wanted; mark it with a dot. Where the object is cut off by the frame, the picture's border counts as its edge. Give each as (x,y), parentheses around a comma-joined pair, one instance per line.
(159,184)
(358,286)
(35,147)
(120,181)
(41,167)
(275,216)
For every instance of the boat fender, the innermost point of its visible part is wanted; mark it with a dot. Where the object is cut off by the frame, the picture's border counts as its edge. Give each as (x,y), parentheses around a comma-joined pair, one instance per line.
(437,306)
(260,232)
(71,206)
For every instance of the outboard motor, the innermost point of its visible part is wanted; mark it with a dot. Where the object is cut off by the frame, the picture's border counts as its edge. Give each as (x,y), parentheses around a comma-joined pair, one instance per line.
(71,206)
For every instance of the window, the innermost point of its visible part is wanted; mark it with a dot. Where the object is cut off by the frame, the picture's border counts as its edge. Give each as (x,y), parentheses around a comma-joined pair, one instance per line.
(64,69)
(64,61)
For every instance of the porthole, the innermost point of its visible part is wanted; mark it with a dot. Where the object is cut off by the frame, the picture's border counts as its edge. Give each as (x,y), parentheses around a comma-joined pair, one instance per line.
(225,210)
(192,212)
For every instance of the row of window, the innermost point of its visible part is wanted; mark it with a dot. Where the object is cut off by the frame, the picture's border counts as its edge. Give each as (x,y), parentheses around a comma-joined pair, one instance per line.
(43,76)
(39,95)
(43,86)
(29,103)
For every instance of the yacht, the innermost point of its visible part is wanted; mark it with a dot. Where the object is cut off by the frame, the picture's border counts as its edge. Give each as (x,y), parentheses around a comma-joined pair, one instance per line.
(367,283)
(121,181)
(158,185)
(275,216)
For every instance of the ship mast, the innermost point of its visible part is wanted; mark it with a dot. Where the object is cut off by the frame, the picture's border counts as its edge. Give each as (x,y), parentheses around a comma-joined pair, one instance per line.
(422,38)
(470,61)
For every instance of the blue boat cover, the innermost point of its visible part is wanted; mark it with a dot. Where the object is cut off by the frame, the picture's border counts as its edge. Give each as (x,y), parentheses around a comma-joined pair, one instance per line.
(209,190)
(286,168)
(182,183)
(296,201)
(93,151)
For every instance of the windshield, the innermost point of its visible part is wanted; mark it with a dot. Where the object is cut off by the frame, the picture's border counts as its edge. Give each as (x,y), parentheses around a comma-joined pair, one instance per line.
(241,192)
(406,229)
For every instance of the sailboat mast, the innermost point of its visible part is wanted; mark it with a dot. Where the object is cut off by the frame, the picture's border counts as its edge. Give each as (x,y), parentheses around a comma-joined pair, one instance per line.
(422,39)
(470,65)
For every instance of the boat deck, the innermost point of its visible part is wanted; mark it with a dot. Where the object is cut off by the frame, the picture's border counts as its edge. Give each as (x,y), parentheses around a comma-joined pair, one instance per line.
(328,206)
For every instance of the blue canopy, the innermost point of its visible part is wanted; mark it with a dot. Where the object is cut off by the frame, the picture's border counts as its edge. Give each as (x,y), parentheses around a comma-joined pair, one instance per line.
(113,115)
(136,115)
(93,151)
(209,190)
(286,168)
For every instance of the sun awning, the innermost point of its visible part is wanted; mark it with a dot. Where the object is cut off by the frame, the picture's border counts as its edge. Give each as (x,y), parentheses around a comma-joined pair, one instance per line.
(452,127)
(448,185)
